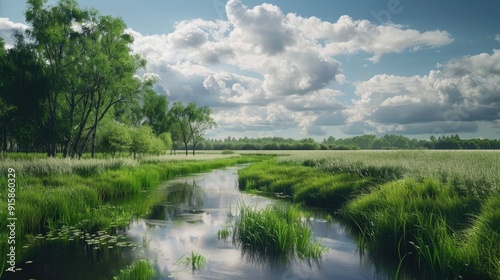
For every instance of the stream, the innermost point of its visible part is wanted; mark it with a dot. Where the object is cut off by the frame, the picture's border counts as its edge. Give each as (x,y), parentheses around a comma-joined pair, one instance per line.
(191,212)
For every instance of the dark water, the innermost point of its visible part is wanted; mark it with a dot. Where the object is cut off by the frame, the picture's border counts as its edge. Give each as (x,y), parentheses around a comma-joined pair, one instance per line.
(192,211)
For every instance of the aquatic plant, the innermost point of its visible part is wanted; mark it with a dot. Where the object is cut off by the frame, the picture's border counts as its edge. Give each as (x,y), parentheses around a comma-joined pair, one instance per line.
(139,270)
(196,261)
(224,233)
(276,230)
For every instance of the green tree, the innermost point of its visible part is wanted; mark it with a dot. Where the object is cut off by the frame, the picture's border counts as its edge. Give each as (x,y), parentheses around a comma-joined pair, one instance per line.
(142,140)
(166,138)
(155,111)
(90,69)
(23,85)
(114,138)
(201,122)
(181,118)
(53,35)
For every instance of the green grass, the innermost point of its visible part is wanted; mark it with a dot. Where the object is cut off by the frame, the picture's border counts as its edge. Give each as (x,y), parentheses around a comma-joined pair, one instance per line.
(140,270)
(52,193)
(432,214)
(195,261)
(304,183)
(276,230)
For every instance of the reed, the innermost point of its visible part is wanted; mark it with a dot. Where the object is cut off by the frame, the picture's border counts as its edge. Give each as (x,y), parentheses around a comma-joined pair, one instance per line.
(139,270)
(276,230)
(195,261)
(435,213)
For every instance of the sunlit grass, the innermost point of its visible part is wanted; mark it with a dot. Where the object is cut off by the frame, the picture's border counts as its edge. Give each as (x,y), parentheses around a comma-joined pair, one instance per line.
(140,270)
(276,230)
(433,212)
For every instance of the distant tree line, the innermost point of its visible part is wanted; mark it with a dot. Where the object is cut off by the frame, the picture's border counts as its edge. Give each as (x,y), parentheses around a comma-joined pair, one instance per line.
(69,86)
(362,142)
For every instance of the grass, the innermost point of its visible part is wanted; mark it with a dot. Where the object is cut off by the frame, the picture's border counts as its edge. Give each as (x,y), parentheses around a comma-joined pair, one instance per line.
(306,185)
(52,193)
(432,214)
(140,270)
(276,231)
(195,261)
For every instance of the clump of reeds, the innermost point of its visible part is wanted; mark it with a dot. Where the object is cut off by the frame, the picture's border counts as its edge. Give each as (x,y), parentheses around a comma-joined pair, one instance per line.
(195,261)
(139,270)
(276,231)
(416,221)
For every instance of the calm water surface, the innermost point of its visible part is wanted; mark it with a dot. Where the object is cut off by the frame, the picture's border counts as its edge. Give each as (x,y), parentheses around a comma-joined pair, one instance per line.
(197,207)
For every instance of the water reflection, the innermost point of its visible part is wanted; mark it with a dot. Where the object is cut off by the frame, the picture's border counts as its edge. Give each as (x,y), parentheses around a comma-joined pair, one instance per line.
(196,208)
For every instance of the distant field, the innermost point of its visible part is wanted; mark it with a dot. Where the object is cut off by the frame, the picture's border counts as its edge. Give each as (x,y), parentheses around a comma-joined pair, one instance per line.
(479,166)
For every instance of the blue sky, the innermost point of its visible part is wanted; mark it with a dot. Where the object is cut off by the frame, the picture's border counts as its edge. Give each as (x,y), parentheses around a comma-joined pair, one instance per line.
(319,68)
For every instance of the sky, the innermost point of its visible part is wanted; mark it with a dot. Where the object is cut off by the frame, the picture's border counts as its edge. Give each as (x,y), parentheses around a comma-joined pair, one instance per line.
(318,68)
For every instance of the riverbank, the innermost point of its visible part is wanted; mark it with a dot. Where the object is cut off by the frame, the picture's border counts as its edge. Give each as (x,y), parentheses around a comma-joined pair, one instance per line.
(52,193)
(432,214)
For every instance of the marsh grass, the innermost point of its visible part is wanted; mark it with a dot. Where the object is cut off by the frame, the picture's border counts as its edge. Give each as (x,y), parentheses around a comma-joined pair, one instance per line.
(195,261)
(52,193)
(304,183)
(276,230)
(139,270)
(435,213)
(224,233)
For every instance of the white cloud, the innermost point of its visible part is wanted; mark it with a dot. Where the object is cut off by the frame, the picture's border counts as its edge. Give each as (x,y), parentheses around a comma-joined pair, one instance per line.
(452,99)
(262,28)
(7,30)
(497,37)
(351,36)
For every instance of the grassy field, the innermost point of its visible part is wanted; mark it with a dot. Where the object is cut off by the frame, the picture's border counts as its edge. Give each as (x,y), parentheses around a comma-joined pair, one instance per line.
(434,213)
(51,193)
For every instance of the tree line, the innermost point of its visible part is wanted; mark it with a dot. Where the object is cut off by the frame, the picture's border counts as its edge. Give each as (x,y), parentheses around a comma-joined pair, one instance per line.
(362,142)
(69,86)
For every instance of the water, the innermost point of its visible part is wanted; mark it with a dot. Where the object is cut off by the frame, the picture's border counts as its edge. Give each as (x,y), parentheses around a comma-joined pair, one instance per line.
(192,211)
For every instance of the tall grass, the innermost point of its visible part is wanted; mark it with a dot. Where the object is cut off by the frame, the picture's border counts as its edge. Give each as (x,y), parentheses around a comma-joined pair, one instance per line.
(57,166)
(304,183)
(195,261)
(276,231)
(140,270)
(51,193)
(435,213)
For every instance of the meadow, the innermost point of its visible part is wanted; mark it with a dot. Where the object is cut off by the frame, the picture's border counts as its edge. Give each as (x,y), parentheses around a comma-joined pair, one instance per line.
(423,214)
(431,214)
(52,193)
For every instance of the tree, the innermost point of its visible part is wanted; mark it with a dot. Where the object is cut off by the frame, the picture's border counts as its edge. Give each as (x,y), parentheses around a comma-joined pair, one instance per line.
(114,138)
(201,122)
(182,118)
(189,123)
(90,69)
(155,111)
(53,34)
(166,138)
(23,85)
(141,140)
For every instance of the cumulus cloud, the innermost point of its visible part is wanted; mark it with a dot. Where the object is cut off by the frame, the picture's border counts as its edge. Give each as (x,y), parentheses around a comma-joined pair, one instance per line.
(262,28)
(8,28)
(351,36)
(451,99)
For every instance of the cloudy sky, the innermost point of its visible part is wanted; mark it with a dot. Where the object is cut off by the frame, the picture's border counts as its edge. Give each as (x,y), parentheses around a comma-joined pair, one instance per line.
(319,68)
